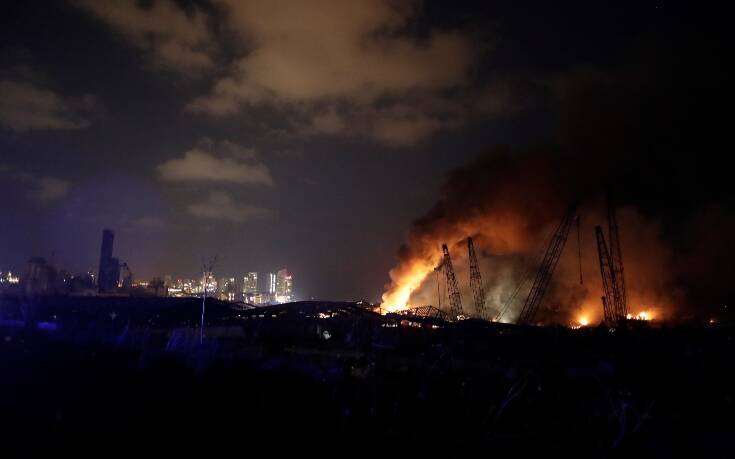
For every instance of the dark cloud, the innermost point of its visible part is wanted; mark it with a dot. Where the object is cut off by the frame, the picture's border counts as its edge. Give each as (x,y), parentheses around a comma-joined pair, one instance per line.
(228,162)
(173,38)
(42,189)
(221,206)
(26,106)
(326,50)
(329,67)
(149,222)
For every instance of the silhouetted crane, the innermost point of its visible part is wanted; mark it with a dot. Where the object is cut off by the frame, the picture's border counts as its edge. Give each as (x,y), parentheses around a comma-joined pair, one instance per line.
(437,270)
(616,262)
(455,301)
(546,270)
(615,302)
(478,291)
(609,283)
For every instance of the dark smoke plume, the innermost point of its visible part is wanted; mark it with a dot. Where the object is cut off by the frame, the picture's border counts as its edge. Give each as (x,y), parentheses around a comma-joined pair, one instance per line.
(646,129)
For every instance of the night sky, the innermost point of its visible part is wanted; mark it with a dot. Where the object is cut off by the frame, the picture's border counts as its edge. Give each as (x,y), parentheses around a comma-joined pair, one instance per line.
(311,134)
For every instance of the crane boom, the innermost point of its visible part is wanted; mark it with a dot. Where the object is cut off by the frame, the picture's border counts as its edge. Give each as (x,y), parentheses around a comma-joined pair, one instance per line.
(455,300)
(478,291)
(546,270)
(609,284)
(616,263)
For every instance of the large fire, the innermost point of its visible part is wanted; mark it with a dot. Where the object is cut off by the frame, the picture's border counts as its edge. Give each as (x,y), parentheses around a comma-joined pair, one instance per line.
(412,276)
(508,251)
(506,204)
(583,318)
(642,315)
(506,233)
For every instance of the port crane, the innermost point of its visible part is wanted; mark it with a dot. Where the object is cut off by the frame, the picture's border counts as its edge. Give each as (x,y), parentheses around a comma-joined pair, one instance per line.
(455,300)
(615,302)
(546,271)
(609,284)
(478,291)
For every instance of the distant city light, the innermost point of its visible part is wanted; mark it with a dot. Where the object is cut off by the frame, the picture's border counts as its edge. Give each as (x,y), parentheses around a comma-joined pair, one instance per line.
(9,278)
(278,289)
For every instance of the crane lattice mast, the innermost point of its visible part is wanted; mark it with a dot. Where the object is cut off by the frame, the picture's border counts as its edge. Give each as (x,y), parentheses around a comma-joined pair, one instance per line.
(543,276)
(478,291)
(616,263)
(455,300)
(609,283)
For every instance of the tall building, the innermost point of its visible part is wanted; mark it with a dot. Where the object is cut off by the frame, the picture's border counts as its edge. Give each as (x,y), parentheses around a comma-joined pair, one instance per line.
(284,286)
(249,287)
(108,239)
(227,289)
(250,283)
(109,272)
(40,276)
(208,284)
(261,299)
(222,285)
(271,283)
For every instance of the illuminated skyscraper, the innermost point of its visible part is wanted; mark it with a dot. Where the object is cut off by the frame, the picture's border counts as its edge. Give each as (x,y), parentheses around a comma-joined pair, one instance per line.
(284,286)
(208,283)
(271,283)
(250,283)
(227,289)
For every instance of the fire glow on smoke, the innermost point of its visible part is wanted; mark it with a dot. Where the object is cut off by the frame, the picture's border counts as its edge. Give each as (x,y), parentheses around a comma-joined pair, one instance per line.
(510,204)
(511,252)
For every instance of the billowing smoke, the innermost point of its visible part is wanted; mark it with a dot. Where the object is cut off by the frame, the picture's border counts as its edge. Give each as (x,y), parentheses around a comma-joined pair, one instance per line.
(641,130)
(480,200)
(510,203)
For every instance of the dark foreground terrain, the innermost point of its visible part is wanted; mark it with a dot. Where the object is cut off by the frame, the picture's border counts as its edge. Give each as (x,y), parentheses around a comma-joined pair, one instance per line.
(131,375)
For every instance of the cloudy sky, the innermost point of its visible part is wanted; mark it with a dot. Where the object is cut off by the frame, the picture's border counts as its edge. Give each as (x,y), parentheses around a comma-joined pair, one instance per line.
(275,133)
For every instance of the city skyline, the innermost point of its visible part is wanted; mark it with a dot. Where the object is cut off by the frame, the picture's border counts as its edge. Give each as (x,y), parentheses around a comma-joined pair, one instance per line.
(41,277)
(198,129)
(231,222)
(115,277)
(113,274)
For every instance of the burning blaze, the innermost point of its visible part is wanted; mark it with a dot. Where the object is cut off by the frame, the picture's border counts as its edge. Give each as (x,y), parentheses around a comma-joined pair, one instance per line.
(582,321)
(412,275)
(642,315)
(504,234)
(586,316)
(507,216)
(500,233)
(510,204)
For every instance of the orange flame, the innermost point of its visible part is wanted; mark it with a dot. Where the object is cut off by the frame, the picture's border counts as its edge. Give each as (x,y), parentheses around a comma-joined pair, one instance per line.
(411,277)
